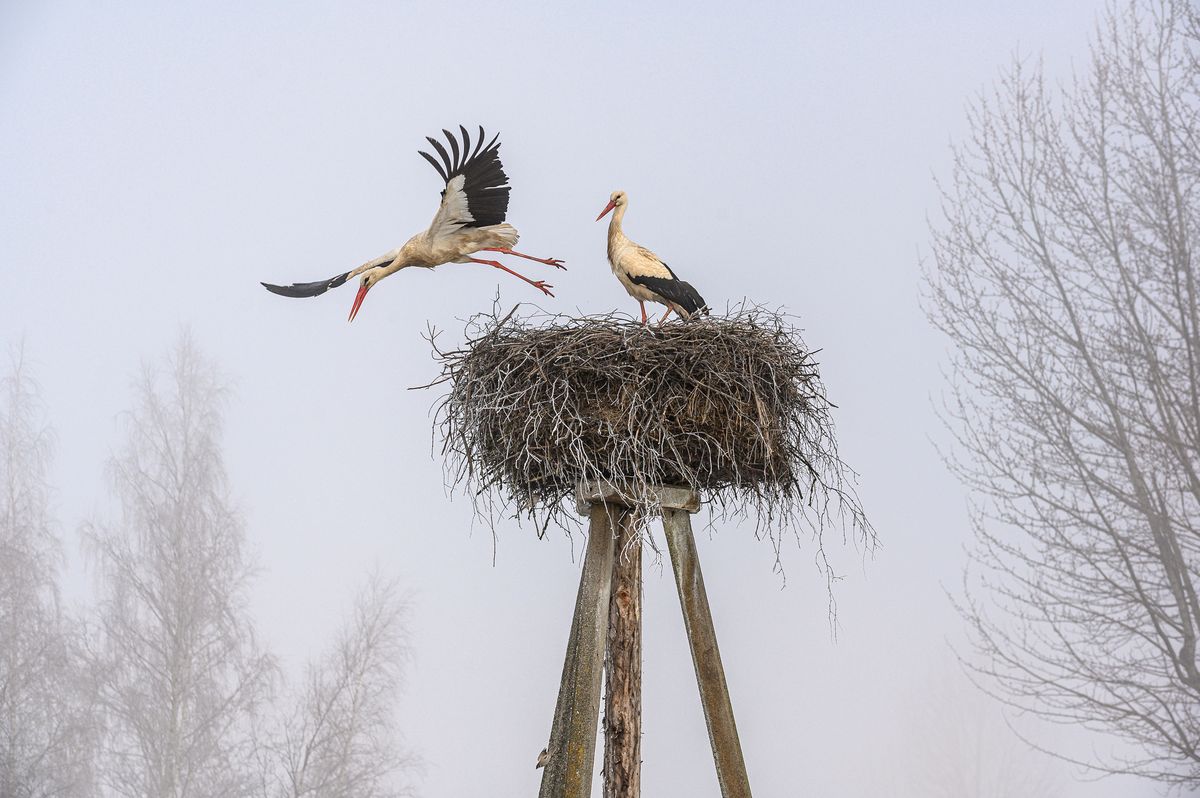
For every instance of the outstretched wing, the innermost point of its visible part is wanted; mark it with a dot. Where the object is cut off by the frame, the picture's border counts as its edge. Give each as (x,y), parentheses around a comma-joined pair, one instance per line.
(476,193)
(321,286)
(307,289)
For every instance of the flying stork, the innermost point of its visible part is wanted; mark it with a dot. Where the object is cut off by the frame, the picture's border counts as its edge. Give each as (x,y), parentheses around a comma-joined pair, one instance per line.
(644,275)
(469,220)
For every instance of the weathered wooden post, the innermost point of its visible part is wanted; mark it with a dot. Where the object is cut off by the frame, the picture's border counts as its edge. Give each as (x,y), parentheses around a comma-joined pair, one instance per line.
(572,746)
(622,771)
(706,656)
(623,663)
(605,416)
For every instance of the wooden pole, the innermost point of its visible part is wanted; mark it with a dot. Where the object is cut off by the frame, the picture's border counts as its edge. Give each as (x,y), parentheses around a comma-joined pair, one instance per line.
(572,749)
(623,666)
(706,657)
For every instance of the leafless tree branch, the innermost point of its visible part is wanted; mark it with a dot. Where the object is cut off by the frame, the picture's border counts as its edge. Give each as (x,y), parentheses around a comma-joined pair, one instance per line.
(47,728)
(340,739)
(181,674)
(1064,272)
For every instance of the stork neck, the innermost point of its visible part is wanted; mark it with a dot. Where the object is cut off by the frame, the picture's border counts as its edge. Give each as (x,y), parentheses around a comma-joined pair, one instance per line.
(383,260)
(614,224)
(393,267)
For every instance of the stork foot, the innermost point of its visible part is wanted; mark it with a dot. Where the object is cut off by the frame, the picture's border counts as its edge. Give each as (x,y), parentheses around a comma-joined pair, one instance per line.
(556,263)
(543,286)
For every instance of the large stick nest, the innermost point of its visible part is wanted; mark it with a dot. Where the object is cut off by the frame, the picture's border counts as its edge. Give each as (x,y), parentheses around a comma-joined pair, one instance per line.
(731,406)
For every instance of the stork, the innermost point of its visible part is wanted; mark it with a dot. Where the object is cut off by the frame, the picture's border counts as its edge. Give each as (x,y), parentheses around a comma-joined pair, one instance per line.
(645,276)
(469,220)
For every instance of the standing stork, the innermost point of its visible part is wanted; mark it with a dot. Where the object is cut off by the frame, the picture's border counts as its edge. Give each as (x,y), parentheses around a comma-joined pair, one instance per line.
(644,275)
(469,220)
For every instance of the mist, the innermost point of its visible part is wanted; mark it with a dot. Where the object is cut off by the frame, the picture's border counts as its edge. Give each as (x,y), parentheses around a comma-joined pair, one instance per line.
(161,160)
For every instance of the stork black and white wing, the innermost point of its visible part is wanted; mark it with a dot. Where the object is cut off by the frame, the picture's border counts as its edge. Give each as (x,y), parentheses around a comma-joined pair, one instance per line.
(321,286)
(307,289)
(476,193)
(675,292)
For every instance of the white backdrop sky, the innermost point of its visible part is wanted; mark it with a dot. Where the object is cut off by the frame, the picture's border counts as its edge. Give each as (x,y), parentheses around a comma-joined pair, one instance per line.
(159,159)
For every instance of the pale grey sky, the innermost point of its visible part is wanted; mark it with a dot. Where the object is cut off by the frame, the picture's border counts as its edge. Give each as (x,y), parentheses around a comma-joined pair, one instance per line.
(159,159)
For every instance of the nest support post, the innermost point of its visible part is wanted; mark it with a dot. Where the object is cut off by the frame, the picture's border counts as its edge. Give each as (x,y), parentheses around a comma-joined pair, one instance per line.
(615,515)
(572,748)
(623,666)
(706,656)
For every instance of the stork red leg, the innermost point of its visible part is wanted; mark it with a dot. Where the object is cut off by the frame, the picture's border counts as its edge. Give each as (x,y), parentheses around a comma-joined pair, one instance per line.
(645,318)
(664,318)
(540,285)
(548,261)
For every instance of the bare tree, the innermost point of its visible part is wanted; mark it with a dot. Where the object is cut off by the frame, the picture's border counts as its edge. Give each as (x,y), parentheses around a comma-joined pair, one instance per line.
(181,674)
(47,740)
(340,739)
(1066,277)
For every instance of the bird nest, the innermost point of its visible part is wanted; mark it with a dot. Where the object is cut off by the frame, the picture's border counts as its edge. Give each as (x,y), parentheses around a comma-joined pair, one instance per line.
(730,406)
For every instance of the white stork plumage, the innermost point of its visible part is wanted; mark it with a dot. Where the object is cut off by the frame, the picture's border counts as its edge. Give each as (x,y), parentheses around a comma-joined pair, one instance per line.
(469,220)
(645,276)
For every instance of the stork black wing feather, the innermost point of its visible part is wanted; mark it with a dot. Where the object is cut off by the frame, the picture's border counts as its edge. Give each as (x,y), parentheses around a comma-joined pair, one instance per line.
(479,145)
(307,289)
(484,182)
(466,142)
(675,292)
(433,162)
(453,147)
(437,145)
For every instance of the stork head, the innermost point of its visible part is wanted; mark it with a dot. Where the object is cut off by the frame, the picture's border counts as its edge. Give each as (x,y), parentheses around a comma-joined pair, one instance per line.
(618,199)
(369,279)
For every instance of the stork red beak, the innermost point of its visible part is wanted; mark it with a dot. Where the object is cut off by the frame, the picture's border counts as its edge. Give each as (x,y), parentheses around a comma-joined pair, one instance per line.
(358,300)
(607,208)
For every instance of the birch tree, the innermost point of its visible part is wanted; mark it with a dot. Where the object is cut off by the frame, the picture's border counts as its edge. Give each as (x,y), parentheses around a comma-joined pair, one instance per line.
(182,674)
(46,731)
(340,738)
(1065,274)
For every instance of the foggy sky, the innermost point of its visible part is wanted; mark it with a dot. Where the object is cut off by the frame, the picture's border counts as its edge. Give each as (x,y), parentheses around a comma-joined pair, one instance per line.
(159,160)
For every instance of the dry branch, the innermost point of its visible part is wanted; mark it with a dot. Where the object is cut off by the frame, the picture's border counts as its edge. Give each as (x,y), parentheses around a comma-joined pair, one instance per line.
(731,406)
